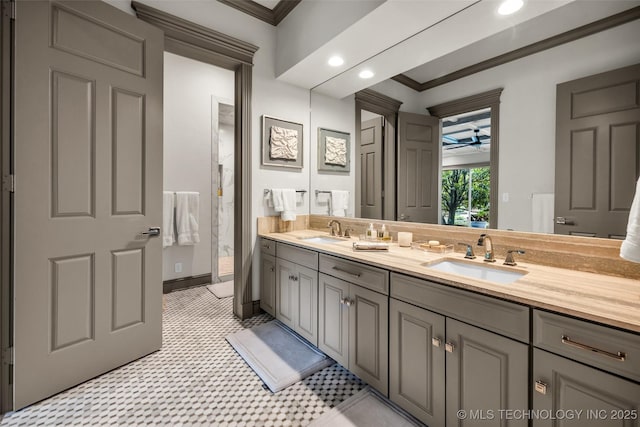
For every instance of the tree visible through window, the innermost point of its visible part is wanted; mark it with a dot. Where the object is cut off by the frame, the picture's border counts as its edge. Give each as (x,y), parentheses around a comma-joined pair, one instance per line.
(465,197)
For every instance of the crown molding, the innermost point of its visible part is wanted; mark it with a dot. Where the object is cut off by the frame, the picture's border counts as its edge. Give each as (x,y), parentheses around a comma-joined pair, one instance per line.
(469,103)
(270,16)
(548,43)
(183,32)
(377,102)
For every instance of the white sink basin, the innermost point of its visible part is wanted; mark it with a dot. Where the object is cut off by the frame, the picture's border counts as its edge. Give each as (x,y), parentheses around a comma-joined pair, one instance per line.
(476,271)
(322,239)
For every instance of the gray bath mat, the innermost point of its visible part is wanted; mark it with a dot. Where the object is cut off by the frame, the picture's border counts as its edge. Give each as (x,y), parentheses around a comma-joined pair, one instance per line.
(366,408)
(222,290)
(277,355)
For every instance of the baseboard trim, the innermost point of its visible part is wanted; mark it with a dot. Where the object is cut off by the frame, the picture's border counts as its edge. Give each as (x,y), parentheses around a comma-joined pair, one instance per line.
(256,307)
(185,282)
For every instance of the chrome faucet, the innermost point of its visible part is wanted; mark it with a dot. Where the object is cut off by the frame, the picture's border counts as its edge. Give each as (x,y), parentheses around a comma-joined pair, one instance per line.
(335,232)
(485,240)
(469,254)
(510,260)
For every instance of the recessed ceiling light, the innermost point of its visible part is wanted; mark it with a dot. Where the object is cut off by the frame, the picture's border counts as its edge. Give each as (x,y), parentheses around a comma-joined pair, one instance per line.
(366,74)
(510,6)
(336,61)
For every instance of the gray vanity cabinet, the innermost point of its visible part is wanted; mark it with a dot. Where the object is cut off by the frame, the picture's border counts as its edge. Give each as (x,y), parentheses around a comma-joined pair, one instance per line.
(434,355)
(268,283)
(353,318)
(297,290)
(485,372)
(268,276)
(589,396)
(594,373)
(417,361)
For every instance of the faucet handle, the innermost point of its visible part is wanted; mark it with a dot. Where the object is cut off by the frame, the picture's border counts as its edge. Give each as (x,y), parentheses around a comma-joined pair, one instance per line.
(510,260)
(347,232)
(469,254)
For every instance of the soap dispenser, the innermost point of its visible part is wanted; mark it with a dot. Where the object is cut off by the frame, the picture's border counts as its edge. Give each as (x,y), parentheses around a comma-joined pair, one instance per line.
(371,232)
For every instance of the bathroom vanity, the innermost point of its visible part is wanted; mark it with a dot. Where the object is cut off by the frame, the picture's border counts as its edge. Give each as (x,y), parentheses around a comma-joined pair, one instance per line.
(445,346)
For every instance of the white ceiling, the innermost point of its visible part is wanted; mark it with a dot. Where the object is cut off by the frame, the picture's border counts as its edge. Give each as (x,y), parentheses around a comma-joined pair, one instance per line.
(449,35)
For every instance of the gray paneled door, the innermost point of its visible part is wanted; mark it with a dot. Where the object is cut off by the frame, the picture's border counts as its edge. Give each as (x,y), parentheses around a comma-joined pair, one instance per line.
(597,153)
(370,157)
(418,167)
(88,159)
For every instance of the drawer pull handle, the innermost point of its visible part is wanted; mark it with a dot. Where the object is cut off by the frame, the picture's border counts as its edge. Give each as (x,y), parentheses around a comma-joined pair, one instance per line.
(346,271)
(266,246)
(620,356)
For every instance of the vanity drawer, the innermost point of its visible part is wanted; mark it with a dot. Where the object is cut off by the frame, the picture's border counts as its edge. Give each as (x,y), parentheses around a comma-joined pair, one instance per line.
(366,276)
(305,257)
(268,246)
(503,317)
(586,342)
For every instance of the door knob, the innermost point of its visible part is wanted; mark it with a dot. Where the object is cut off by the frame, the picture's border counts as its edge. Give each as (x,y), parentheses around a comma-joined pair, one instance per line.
(153,231)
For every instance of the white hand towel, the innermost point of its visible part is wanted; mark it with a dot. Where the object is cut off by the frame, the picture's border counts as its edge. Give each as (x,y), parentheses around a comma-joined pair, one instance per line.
(276,197)
(339,202)
(168,207)
(542,208)
(187,217)
(288,205)
(630,249)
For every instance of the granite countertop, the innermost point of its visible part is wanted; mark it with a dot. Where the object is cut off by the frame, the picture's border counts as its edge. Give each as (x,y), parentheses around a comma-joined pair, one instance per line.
(609,300)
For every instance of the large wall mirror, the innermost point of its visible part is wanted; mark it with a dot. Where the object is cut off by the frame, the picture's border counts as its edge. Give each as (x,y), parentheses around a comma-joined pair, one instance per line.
(525,176)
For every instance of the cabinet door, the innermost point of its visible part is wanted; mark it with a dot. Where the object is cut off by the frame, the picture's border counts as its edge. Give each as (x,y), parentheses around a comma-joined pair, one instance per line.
(417,361)
(306,317)
(286,292)
(268,283)
(486,373)
(333,318)
(368,337)
(591,397)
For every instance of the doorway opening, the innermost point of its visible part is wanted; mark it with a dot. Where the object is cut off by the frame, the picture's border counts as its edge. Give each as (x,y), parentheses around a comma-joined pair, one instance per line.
(223,200)
(465,196)
(199,144)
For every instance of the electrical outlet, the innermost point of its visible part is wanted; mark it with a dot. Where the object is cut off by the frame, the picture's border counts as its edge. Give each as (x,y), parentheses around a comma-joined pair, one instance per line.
(178,267)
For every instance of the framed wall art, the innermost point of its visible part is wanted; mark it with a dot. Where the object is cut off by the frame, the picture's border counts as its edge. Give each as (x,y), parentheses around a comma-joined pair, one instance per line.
(282,143)
(334,150)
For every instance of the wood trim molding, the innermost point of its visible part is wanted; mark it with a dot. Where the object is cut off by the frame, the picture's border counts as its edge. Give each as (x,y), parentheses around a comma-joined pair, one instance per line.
(548,43)
(185,282)
(468,103)
(242,222)
(376,102)
(194,41)
(408,81)
(490,99)
(200,38)
(6,229)
(388,107)
(283,8)
(270,16)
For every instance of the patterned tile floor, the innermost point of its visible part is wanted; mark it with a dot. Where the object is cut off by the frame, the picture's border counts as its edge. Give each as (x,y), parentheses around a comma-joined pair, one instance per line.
(197,379)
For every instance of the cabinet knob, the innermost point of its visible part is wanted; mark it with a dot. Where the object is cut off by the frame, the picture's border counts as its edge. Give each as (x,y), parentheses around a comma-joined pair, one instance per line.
(437,342)
(541,387)
(342,301)
(348,302)
(449,347)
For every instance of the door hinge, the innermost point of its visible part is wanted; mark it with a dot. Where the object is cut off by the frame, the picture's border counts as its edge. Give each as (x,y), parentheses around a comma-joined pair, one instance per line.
(9,183)
(7,357)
